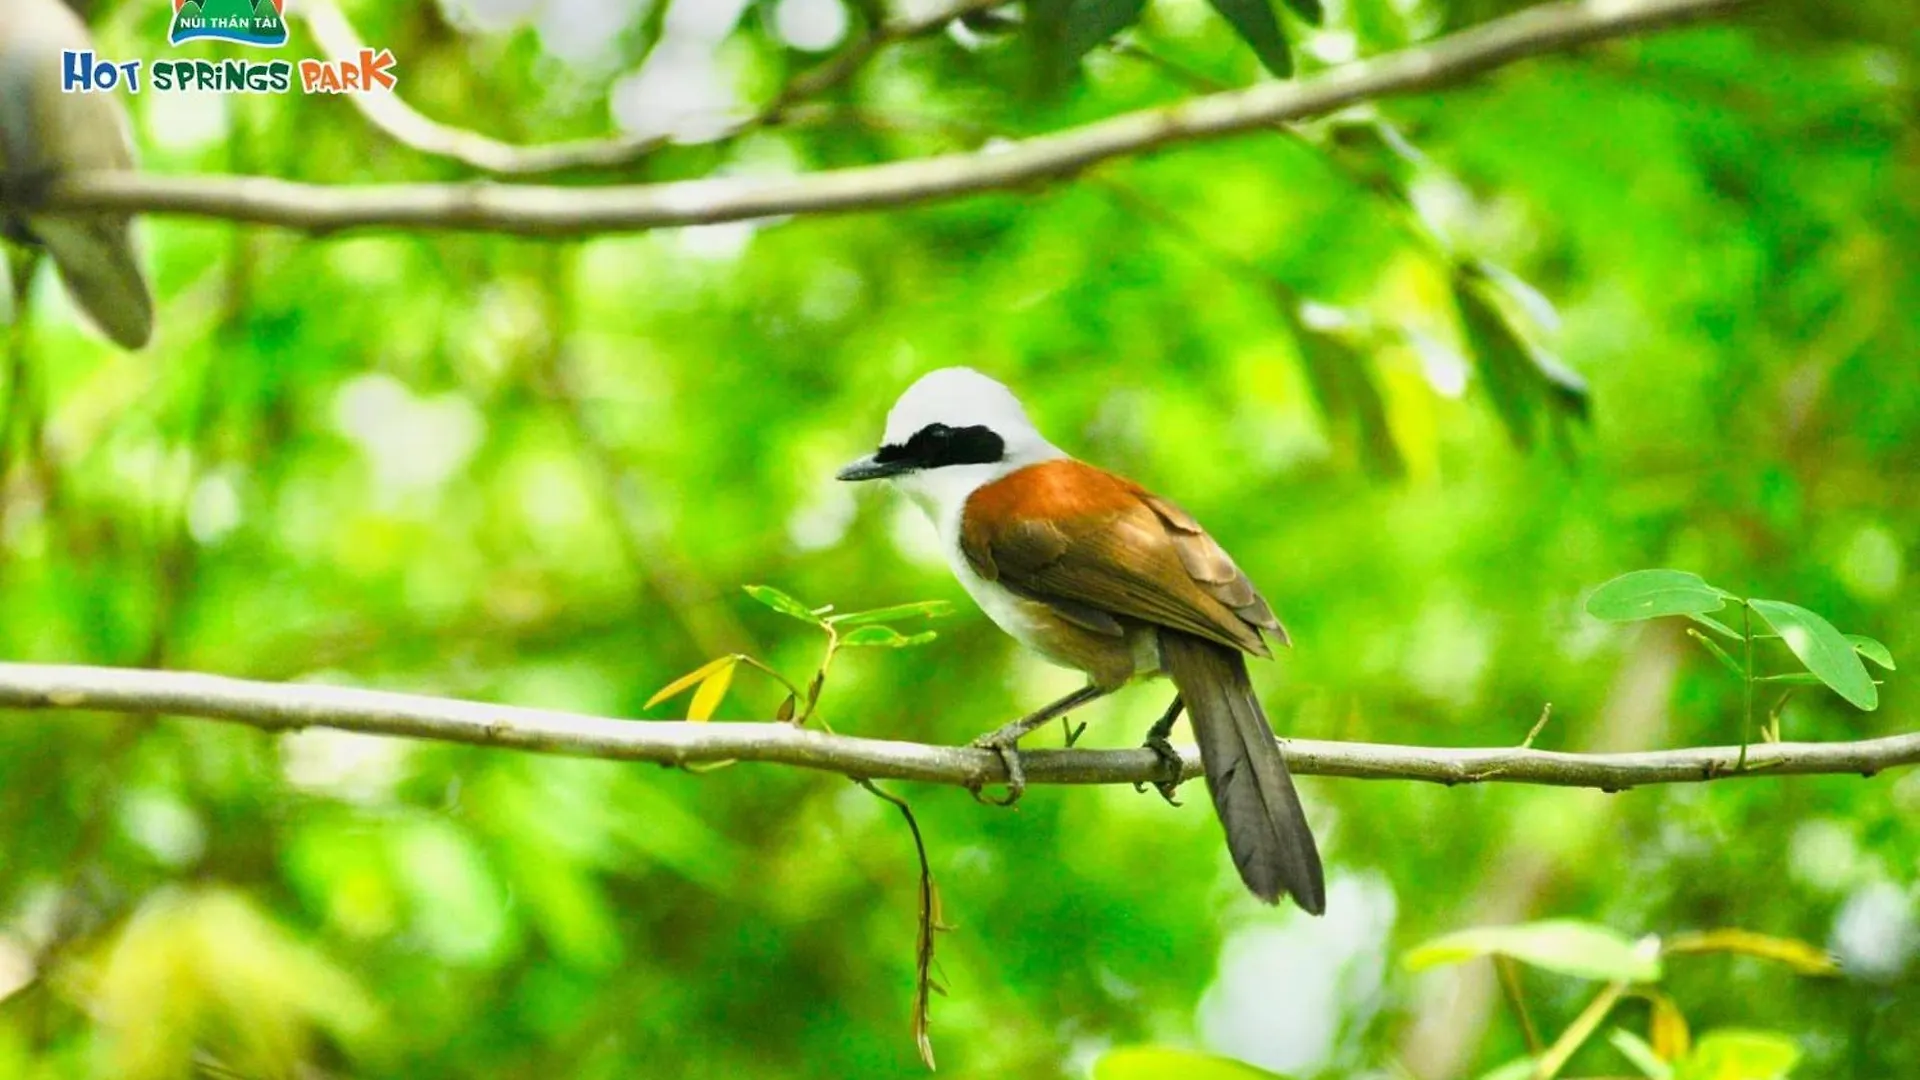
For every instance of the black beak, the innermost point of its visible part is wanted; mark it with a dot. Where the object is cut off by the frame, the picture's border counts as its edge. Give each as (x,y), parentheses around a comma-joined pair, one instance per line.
(871,468)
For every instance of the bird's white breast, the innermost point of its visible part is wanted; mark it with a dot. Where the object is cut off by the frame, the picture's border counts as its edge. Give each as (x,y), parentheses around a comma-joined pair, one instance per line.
(1008,611)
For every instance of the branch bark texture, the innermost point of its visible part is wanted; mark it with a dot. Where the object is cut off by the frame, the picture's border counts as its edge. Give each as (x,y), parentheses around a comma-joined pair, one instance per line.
(290,706)
(564,211)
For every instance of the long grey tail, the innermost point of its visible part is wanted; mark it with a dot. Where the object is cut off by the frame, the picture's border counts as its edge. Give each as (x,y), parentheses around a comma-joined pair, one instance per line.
(1252,791)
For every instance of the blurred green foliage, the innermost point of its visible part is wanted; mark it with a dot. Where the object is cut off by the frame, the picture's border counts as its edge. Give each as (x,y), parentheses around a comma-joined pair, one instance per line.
(538,473)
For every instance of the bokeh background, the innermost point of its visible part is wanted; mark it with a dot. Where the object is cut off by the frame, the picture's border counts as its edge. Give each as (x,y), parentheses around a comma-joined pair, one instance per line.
(539,473)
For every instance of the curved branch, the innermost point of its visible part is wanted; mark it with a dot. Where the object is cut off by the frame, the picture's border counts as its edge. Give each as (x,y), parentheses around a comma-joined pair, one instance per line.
(559,211)
(290,706)
(338,40)
(403,123)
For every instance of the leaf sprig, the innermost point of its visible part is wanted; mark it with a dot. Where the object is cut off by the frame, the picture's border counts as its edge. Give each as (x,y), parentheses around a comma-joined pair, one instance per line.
(1831,658)
(853,629)
(845,630)
(1630,969)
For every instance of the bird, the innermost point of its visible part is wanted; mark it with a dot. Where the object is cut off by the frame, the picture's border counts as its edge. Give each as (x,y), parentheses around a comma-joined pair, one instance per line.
(46,133)
(1097,574)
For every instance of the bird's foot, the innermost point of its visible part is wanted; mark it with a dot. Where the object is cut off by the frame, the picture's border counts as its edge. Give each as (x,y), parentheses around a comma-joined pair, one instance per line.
(1170,759)
(1005,743)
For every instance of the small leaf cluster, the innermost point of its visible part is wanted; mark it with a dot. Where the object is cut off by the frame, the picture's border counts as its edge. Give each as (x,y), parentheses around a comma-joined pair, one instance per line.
(1830,658)
(852,629)
(1630,969)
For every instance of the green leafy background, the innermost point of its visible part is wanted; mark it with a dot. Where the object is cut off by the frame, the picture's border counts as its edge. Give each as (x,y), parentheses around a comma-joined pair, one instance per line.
(538,473)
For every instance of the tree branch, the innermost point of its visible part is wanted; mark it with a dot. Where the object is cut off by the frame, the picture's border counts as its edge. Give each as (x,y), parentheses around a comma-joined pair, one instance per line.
(558,211)
(287,706)
(408,126)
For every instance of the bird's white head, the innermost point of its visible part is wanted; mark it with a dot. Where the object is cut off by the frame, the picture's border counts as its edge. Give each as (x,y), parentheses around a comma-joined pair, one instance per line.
(952,431)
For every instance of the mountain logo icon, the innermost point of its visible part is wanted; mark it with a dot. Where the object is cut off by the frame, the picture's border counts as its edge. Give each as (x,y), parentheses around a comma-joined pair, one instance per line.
(244,22)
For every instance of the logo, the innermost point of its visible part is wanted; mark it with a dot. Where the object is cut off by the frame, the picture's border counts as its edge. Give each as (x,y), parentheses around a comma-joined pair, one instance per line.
(243,22)
(259,23)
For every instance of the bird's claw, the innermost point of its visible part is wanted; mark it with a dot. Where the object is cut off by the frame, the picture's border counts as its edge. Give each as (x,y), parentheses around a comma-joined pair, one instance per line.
(1170,758)
(1009,755)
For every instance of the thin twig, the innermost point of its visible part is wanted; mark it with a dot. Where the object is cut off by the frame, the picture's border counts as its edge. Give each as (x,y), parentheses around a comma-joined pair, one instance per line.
(1746,682)
(1509,972)
(286,707)
(930,924)
(559,211)
(1546,714)
(1578,1032)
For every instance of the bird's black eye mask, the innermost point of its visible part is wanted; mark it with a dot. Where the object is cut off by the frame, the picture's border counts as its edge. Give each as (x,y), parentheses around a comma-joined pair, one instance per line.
(937,444)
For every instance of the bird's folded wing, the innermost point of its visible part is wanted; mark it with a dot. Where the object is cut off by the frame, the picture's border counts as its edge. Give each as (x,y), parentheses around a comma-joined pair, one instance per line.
(1210,565)
(1122,561)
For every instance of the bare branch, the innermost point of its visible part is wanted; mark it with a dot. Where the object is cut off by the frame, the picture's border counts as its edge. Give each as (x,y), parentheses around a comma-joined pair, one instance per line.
(560,211)
(288,706)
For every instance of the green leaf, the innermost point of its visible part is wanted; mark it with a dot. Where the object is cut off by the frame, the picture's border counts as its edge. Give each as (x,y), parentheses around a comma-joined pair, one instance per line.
(1732,1054)
(988,23)
(1310,10)
(1161,1062)
(1651,594)
(886,637)
(1091,23)
(1570,947)
(1501,359)
(932,609)
(1636,1050)
(1872,650)
(1347,391)
(1518,377)
(1256,24)
(782,603)
(1826,652)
